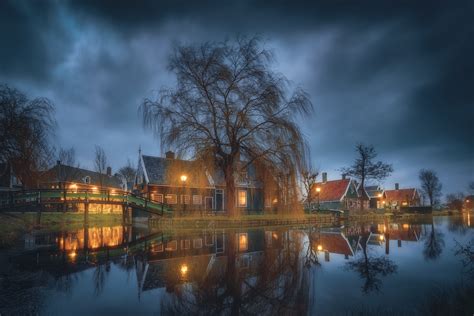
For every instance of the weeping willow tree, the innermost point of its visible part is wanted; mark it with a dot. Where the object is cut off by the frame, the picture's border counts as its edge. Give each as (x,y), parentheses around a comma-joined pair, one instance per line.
(26,126)
(230,110)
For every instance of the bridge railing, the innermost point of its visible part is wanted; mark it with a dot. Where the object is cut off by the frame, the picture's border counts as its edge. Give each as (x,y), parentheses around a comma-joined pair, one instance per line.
(43,196)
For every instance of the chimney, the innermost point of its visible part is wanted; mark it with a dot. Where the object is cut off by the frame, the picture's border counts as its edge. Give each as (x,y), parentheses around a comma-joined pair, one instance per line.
(109,171)
(343,176)
(325,177)
(396,186)
(169,155)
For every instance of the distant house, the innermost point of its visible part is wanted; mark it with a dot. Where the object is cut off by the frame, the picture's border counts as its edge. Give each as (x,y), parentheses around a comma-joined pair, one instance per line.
(336,194)
(375,195)
(63,176)
(190,186)
(395,199)
(8,180)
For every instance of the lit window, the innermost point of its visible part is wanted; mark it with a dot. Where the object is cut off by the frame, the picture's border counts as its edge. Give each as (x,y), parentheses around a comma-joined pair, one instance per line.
(185,199)
(243,242)
(172,245)
(157,197)
(171,199)
(242,198)
(157,247)
(197,199)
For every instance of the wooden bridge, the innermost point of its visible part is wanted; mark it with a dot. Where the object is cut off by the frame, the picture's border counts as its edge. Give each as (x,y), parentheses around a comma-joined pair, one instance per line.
(37,200)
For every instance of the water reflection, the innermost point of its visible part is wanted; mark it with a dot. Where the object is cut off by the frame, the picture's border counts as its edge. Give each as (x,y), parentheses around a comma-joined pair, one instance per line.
(292,270)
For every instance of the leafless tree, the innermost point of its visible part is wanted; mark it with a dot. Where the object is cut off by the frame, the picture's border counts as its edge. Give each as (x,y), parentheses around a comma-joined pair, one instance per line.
(67,157)
(365,168)
(471,187)
(128,171)
(25,128)
(430,185)
(308,179)
(455,201)
(230,106)
(100,163)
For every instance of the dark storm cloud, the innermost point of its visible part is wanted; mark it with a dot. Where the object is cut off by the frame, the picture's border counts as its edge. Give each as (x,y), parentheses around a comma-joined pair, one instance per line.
(395,74)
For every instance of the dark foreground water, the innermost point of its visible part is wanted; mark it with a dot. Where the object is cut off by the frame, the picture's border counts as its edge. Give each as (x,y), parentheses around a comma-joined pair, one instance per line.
(393,267)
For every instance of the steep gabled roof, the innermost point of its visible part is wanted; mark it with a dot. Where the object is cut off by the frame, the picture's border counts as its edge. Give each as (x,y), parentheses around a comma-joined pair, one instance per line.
(401,194)
(333,190)
(64,173)
(166,171)
(373,191)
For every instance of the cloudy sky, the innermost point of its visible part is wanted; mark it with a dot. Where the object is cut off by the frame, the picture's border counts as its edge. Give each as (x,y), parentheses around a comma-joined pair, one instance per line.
(400,77)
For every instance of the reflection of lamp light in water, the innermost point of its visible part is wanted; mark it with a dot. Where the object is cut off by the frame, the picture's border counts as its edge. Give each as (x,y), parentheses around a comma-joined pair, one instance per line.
(184,269)
(320,247)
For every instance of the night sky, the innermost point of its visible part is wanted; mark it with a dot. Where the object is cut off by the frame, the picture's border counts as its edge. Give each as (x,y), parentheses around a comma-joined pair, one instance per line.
(398,77)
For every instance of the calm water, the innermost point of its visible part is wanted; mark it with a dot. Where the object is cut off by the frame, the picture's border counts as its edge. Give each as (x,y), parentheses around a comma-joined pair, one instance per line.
(361,268)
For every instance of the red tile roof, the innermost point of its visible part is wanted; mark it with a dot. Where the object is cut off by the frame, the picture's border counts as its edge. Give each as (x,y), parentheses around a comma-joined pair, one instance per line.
(400,195)
(332,190)
(334,243)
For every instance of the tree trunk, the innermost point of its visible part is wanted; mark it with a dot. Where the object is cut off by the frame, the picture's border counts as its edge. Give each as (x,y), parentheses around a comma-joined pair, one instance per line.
(362,194)
(230,190)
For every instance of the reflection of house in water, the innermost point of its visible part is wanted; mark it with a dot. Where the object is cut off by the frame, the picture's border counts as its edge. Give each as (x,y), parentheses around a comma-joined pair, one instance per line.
(334,242)
(203,255)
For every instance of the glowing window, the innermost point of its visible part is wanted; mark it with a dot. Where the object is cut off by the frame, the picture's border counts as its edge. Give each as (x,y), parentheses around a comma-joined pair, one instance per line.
(157,197)
(242,198)
(197,199)
(243,242)
(171,198)
(172,245)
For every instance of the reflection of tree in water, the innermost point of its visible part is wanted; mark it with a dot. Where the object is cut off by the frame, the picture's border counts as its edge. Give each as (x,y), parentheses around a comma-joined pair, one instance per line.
(278,285)
(466,255)
(458,225)
(371,269)
(434,244)
(100,275)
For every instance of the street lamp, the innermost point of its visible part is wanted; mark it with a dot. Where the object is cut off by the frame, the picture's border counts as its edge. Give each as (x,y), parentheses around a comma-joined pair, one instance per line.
(318,190)
(184,178)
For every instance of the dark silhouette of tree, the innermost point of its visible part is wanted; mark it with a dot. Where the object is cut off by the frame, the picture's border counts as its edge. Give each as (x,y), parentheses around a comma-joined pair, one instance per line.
(128,172)
(308,179)
(466,254)
(471,187)
(25,128)
(371,269)
(434,244)
(365,168)
(229,108)
(430,185)
(100,163)
(455,201)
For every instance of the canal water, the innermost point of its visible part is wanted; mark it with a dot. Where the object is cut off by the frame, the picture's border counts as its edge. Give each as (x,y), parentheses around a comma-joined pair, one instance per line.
(422,266)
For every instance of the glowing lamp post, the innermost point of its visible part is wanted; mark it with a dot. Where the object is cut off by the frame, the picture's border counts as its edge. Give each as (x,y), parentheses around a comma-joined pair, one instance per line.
(183,178)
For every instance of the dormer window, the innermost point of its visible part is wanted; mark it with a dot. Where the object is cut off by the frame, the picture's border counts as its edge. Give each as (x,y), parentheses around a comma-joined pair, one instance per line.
(87,180)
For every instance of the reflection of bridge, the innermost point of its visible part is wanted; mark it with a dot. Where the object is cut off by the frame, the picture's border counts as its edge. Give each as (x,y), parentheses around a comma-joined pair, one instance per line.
(36,200)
